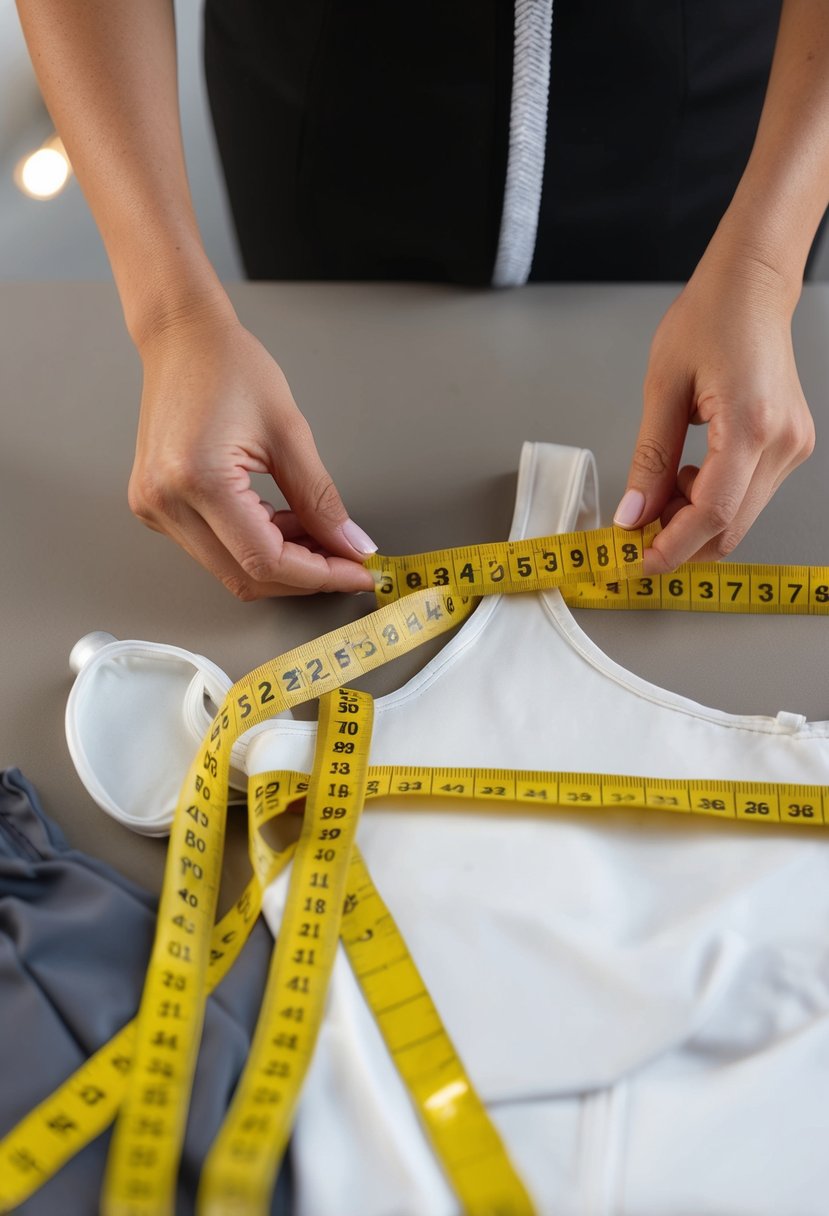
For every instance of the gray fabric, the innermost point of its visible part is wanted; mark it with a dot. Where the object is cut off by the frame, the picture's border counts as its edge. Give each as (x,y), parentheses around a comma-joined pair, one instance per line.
(75,939)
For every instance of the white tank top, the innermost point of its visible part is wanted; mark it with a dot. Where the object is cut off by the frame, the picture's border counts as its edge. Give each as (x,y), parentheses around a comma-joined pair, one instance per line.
(641,1000)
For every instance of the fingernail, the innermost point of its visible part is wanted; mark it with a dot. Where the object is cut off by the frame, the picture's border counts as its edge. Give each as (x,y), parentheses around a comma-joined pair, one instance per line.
(356,537)
(629,509)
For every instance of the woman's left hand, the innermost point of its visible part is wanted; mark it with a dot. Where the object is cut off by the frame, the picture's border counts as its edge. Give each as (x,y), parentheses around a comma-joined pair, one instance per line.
(722,356)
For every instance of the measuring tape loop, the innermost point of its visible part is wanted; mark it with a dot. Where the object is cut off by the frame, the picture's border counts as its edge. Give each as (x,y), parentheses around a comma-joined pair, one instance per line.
(420,597)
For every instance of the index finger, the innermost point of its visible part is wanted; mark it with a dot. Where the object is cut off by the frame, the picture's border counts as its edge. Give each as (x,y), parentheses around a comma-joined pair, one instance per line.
(245,528)
(716,497)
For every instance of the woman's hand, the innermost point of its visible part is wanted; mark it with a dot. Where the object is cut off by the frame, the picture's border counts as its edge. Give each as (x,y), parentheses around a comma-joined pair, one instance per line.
(722,356)
(215,408)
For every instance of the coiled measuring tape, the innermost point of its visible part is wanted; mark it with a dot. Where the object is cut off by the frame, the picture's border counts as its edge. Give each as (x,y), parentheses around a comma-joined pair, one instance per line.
(145,1072)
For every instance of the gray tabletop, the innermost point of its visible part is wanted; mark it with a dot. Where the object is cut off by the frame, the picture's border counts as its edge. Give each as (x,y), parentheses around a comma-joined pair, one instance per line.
(419,398)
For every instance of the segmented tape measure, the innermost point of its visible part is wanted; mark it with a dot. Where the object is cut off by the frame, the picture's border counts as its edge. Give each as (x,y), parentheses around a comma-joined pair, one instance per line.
(145,1072)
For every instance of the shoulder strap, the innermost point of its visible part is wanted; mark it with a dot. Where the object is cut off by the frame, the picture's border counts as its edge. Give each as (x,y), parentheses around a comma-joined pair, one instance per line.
(557,491)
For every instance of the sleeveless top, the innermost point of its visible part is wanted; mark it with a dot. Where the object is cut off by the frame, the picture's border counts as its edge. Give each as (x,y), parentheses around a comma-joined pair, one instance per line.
(641,1000)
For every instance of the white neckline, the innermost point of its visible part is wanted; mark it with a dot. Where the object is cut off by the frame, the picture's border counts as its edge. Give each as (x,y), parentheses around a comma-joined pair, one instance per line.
(572,633)
(565,623)
(581,464)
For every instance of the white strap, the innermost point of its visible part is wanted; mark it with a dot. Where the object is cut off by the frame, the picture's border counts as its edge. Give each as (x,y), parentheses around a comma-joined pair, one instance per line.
(557,491)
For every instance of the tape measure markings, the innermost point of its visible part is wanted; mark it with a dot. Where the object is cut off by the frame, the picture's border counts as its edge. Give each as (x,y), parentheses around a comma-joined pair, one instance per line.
(142,1164)
(505,567)
(753,801)
(328,662)
(240,1169)
(311,668)
(251,700)
(715,587)
(140,1178)
(343,654)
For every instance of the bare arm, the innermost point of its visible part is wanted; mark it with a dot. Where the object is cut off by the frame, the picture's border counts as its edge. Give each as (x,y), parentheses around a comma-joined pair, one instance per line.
(215,406)
(723,353)
(107,69)
(784,191)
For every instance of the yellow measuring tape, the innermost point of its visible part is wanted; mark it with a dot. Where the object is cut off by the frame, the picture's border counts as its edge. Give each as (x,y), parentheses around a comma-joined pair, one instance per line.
(145,1072)
(601,569)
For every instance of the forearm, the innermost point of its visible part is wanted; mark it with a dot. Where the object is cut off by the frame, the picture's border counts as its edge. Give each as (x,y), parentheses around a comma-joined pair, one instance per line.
(784,190)
(107,69)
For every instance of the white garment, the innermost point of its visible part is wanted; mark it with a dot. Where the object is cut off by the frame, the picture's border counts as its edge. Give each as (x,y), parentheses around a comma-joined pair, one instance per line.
(136,713)
(641,1000)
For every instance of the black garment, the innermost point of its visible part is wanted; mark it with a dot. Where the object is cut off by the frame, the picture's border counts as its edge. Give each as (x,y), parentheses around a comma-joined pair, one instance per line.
(75,940)
(368,140)
(362,139)
(654,106)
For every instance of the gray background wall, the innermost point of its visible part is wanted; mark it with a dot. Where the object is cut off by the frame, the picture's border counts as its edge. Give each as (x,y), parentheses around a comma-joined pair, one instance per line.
(57,239)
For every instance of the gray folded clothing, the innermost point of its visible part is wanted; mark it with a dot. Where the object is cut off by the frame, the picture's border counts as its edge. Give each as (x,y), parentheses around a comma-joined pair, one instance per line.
(75,941)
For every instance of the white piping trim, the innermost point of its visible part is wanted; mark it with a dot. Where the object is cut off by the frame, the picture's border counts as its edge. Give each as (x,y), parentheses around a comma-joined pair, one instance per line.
(527,142)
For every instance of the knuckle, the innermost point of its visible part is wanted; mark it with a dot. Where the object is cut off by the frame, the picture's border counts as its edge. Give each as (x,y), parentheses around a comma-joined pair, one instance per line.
(183,476)
(721,512)
(801,438)
(240,588)
(807,444)
(762,425)
(158,492)
(726,542)
(148,499)
(324,498)
(650,457)
(260,568)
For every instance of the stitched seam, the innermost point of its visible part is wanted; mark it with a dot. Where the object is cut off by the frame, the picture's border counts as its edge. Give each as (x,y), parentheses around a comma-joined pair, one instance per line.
(527,142)
(30,852)
(662,697)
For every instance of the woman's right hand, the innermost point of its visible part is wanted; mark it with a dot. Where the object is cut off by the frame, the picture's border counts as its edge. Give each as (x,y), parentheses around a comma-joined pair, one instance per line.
(215,408)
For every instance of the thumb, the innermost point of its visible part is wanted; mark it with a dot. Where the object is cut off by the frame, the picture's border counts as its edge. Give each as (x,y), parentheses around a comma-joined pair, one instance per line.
(651,482)
(313,497)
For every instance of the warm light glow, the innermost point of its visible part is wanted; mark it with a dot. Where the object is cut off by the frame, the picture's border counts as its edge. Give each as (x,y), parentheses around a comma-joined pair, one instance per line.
(44,173)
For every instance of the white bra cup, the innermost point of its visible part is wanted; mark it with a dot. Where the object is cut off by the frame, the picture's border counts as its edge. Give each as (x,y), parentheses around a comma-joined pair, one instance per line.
(135,716)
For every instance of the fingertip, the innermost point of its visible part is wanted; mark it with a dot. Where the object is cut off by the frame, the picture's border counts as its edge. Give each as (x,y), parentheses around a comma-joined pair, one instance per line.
(349,577)
(629,511)
(368,586)
(359,540)
(364,588)
(653,563)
